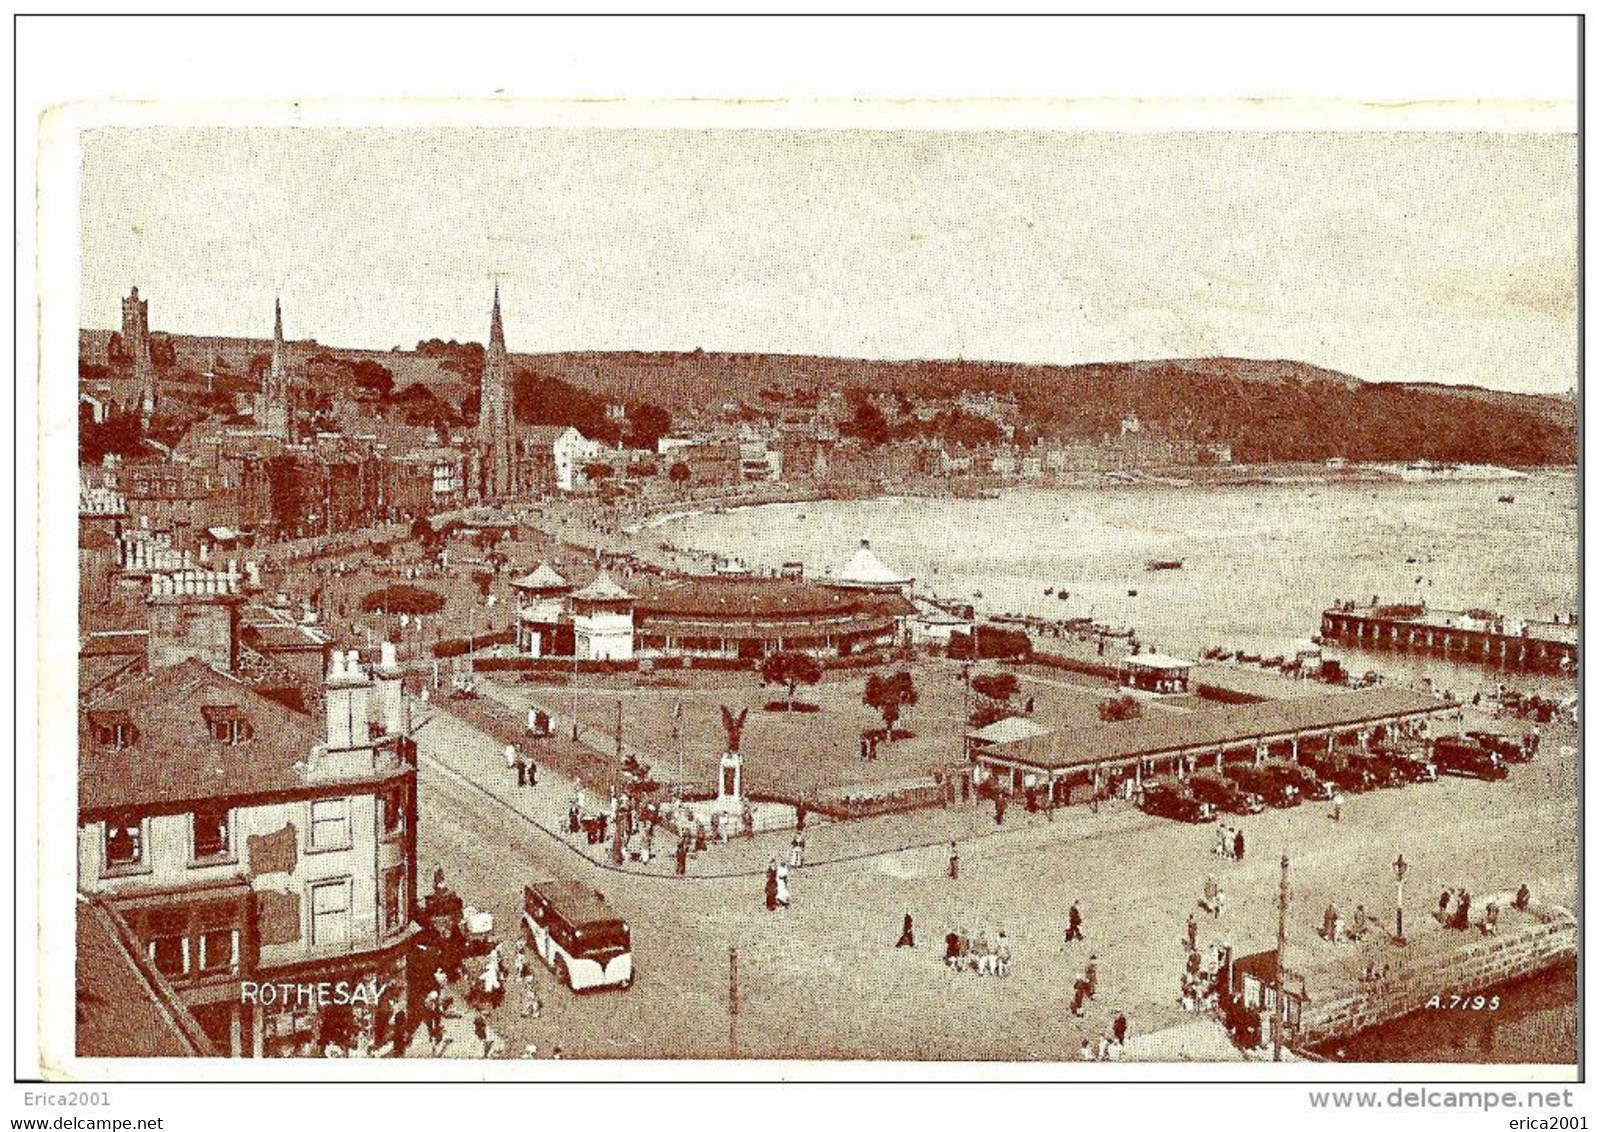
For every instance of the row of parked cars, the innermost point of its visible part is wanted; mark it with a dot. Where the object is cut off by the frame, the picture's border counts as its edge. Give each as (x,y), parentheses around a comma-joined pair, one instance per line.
(1248,788)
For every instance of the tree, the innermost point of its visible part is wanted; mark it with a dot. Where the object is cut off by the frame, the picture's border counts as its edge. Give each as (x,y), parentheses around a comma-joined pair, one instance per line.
(679,473)
(890,695)
(597,470)
(791,669)
(415,600)
(1119,710)
(999,686)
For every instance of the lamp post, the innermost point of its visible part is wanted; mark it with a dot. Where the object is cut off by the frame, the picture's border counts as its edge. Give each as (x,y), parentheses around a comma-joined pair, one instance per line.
(1400,868)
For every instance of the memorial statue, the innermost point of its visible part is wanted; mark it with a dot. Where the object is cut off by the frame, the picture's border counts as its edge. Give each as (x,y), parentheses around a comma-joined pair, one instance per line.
(734,725)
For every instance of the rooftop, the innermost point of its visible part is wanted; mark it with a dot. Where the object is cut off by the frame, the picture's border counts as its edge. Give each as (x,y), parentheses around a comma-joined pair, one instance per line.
(1166,732)
(602,588)
(543,577)
(866,569)
(173,756)
(124,1007)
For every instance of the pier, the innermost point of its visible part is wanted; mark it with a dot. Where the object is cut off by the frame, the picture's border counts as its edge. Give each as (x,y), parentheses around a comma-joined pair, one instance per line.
(1473,636)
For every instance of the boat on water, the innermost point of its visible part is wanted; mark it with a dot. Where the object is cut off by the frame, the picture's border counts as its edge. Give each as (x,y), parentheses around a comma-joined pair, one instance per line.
(1164,564)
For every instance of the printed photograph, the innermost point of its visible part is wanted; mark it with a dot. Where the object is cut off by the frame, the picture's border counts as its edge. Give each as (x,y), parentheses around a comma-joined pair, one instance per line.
(1037,595)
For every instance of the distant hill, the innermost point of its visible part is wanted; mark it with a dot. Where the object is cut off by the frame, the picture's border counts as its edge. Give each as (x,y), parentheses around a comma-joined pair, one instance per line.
(1264,409)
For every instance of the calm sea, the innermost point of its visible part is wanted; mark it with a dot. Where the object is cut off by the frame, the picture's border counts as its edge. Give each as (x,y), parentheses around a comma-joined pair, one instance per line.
(1259,562)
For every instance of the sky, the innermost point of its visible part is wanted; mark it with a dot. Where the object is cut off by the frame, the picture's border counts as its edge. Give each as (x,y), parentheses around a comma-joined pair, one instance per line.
(1389,256)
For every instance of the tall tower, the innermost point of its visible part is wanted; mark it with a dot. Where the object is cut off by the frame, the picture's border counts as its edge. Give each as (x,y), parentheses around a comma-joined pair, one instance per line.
(494,412)
(136,341)
(272,404)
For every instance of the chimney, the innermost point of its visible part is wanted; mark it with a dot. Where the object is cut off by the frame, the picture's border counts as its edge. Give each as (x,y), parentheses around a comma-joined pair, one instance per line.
(347,697)
(389,691)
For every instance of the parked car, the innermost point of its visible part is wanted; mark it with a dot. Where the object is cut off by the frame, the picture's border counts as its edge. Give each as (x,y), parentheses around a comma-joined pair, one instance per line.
(1224,793)
(1273,789)
(1468,759)
(1409,768)
(1170,800)
(1382,772)
(1508,747)
(1339,769)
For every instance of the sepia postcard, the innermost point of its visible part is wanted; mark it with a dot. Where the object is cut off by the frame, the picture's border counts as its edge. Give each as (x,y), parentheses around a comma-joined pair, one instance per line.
(837,584)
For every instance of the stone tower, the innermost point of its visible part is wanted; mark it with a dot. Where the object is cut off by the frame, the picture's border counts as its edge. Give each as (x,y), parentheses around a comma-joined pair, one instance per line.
(494,413)
(136,341)
(272,403)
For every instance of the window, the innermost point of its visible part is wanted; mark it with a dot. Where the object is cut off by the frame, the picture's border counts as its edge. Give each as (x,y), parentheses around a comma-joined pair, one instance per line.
(170,954)
(394,898)
(227,723)
(124,842)
(393,812)
(213,833)
(219,951)
(113,729)
(330,912)
(330,823)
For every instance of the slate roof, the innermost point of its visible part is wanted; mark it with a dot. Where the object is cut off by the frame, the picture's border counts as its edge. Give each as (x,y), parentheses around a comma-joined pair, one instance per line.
(173,757)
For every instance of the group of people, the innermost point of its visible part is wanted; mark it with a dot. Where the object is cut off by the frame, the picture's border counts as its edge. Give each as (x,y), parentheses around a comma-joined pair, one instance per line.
(1454,910)
(1334,929)
(1214,898)
(1229,843)
(981,955)
(1197,987)
(1111,1046)
(525,769)
(777,895)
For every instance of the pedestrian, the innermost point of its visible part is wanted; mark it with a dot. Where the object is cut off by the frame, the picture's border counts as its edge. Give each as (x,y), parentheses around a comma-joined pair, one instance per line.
(400,1030)
(1329,924)
(782,886)
(699,837)
(532,773)
(1443,907)
(1077,1008)
(796,851)
(1462,917)
(747,817)
(1002,956)
(1084,1052)
(771,885)
(682,857)
(510,757)
(954,862)
(1220,848)
(523,964)
(1193,934)
(1118,1029)
(999,808)
(1091,975)
(1337,806)
(1523,899)
(1238,845)
(1074,922)
(480,1027)
(907,934)
(521,771)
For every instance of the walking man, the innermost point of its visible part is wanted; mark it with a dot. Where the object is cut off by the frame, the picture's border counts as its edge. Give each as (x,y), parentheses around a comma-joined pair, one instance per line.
(954,862)
(1074,922)
(521,770)
(771,885)
(1238,845)
(796,852)
(1193,933)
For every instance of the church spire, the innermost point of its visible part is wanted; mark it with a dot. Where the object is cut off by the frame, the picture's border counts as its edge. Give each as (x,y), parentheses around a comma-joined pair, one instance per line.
(496,330)
(494,410)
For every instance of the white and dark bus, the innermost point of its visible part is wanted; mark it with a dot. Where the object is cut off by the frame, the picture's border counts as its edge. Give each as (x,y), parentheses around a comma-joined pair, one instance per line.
(577,934)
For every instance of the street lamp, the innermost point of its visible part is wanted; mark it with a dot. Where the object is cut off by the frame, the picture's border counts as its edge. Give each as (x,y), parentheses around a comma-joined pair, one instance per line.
(1400,868)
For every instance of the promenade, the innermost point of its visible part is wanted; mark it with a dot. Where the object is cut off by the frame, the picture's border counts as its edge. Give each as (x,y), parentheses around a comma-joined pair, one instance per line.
(823,978)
